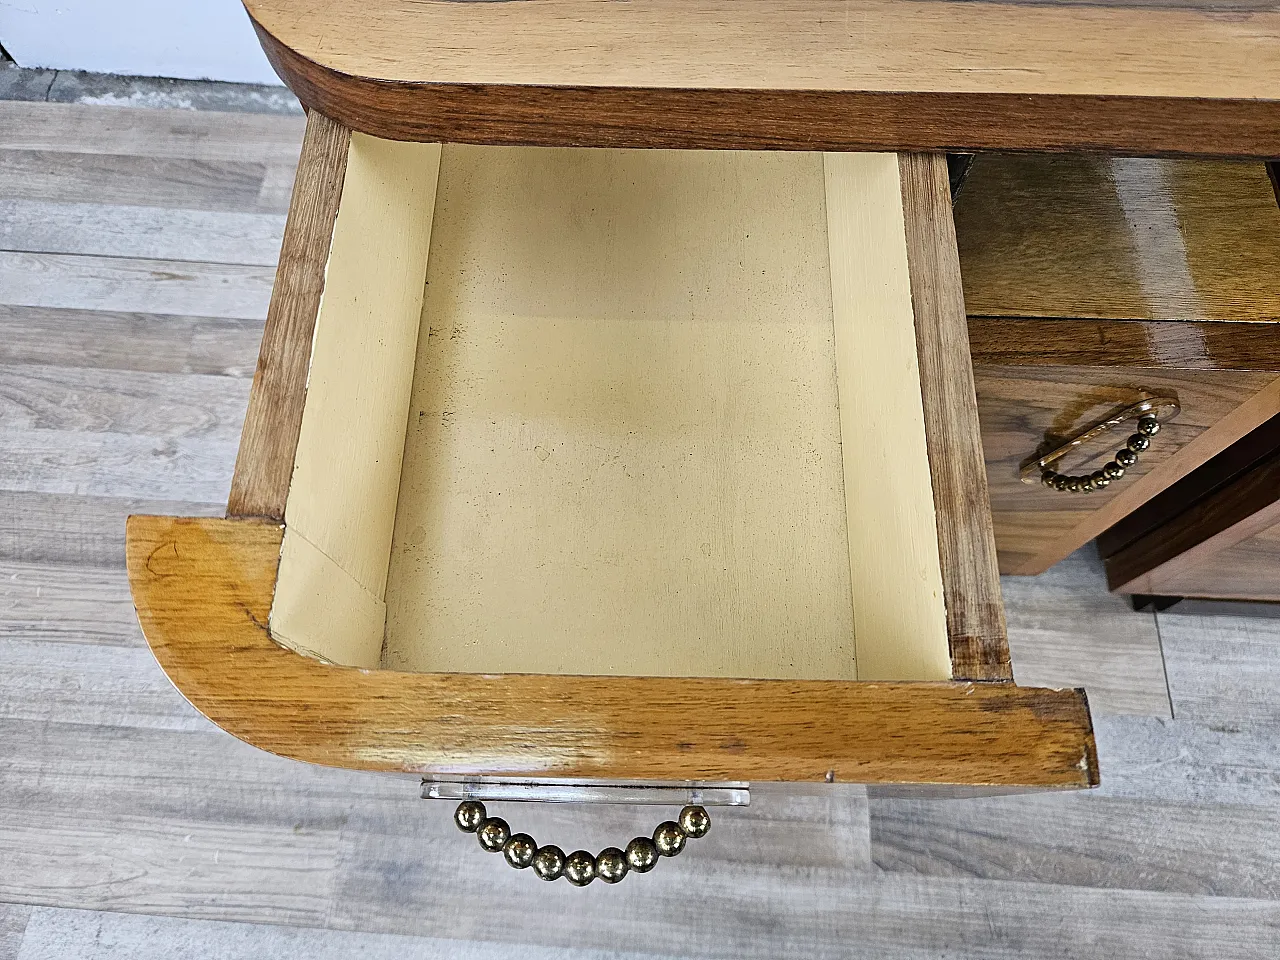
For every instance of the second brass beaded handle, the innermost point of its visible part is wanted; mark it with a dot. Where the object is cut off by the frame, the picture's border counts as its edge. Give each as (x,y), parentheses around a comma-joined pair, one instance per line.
(1125,458)
(580,867)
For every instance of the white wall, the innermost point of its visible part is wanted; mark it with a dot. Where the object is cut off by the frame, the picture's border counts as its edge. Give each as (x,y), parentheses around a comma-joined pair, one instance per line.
(192,39)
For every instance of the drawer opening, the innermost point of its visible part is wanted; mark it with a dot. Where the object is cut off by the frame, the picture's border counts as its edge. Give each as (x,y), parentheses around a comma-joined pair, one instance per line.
(650,413)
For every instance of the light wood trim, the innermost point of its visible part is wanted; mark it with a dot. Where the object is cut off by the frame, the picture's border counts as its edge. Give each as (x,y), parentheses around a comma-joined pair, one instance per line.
(900,622)
(1255,411)
(264,465)
(203,589)
(804,74)
(962,505)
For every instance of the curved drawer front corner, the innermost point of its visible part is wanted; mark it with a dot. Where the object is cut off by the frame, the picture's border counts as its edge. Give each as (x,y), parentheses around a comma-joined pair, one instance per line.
(202,589)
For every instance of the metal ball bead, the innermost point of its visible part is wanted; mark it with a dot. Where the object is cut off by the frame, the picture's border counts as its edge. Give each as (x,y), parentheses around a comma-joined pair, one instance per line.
(1099,479)
(1126,457)
(611,865)
(1060,482)
(1148,426)
(1086,484)
(1137,443)
(580,868)
(519,850)
(548,862)
(642,854)
(1048,477)
(668,838)
(694,821)
(469,815)
(1113,470)
(1073,484)
(493,834)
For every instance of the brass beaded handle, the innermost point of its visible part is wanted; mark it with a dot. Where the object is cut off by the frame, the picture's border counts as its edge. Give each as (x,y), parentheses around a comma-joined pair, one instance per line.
(1148,412)
(580,867)
(1125,458)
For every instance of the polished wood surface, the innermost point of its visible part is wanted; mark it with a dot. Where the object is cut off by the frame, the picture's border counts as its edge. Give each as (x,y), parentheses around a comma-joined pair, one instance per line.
(1119,238)
(1089,279)
(1025,407)
(1215,533)
(1228,466)
(203,590)
(264,465)
(1183,344)
(966,542)
(806,74)
(1226,545)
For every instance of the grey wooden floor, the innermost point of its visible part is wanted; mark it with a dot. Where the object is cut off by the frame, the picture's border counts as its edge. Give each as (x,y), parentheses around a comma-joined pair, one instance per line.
(136,258)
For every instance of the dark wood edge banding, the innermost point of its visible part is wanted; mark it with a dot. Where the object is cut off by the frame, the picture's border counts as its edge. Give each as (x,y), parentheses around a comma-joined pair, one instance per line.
(1229,499)
(530,115)
(1232,463)
(264,464)
(966,538)
(1170,344)
(203,591)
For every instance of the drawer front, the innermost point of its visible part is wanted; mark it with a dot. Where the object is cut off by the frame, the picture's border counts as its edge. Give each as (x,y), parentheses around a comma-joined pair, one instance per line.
(1024,409)
(1091,280)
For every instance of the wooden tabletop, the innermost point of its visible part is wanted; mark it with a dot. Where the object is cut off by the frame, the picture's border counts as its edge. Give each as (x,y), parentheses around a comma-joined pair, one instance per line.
(1199,76)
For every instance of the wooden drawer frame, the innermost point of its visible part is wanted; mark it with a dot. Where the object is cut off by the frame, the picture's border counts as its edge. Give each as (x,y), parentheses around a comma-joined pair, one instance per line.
(204,588)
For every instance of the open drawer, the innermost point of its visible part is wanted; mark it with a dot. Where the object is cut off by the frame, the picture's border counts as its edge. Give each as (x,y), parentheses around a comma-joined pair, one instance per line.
(610,465)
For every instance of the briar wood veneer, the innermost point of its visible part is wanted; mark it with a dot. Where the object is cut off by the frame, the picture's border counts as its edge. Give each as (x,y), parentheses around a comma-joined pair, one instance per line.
(243,613)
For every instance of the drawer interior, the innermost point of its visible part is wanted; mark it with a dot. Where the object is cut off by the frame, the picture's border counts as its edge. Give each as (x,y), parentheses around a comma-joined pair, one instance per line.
(651,413)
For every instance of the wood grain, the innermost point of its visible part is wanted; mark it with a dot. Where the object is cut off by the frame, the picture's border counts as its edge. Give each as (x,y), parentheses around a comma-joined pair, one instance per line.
(1224,671)
(966,542)
(223,185)
(341,507)
(1072,341)
(125,466)
(1022,407)
(132,285)
(260,485)
(1223,545)
(105,339)
(1248,415)
(1065,629)
(881,75)
(127,131)
(151,232)
(66,603)
(1119,238)
(227,871)
(391,887)
(1250,451)
(1073,841)
(203,590)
